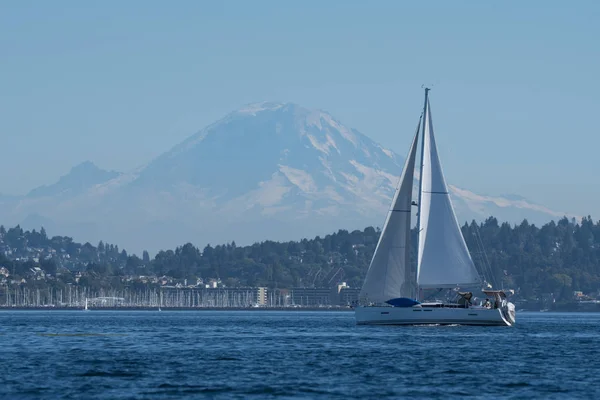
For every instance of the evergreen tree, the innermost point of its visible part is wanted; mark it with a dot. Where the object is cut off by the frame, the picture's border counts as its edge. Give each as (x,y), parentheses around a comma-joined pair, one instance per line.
(146,257)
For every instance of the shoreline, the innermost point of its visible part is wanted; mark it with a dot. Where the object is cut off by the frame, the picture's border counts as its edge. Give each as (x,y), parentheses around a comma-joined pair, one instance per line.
(259,309)
(345,309)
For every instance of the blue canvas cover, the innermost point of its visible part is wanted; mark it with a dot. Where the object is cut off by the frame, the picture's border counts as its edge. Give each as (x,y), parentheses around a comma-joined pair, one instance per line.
(402,302)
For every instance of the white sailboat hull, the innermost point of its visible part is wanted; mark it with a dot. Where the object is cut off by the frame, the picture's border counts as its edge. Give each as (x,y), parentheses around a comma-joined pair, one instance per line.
(427,316)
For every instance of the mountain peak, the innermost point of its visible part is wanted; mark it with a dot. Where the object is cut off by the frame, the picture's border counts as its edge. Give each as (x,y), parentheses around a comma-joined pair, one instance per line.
(253,108)
(315,124)
(84,167)
(81,177)
(250,145)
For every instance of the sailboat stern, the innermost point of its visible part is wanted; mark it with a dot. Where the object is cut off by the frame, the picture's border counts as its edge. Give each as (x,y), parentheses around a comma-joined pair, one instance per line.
(509,313)
(506,307)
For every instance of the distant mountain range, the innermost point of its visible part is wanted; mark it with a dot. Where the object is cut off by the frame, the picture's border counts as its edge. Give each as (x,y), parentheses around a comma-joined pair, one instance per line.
(267,171)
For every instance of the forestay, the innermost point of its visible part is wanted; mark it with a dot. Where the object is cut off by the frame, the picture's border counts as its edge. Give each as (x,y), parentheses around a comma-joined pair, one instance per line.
(390,274)
(443,260)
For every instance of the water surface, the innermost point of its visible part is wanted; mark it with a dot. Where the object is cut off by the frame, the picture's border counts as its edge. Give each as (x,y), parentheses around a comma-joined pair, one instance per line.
(310,355)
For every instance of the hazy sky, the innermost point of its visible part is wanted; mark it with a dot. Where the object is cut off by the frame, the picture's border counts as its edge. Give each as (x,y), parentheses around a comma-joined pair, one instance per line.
(515,96)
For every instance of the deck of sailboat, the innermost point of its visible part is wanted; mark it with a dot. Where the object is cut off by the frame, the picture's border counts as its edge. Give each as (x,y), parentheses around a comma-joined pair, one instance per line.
(442,305)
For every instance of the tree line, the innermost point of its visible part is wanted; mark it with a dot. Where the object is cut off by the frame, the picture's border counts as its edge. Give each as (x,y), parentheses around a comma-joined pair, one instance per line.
(558,257)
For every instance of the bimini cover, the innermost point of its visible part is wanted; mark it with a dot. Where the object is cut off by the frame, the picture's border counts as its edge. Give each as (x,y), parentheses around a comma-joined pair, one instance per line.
(402,302)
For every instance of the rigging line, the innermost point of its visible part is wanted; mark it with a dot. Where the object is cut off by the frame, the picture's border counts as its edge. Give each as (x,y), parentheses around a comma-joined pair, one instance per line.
(482,268)
(486,263)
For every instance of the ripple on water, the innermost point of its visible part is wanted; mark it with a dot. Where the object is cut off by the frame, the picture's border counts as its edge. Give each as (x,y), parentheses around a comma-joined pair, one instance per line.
(122,355)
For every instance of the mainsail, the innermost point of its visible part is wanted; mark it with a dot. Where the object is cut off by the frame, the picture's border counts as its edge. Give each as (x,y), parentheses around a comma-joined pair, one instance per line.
(389,275)
(444,260)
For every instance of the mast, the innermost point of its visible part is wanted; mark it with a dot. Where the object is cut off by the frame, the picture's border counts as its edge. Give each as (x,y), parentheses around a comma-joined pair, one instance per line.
(421,178)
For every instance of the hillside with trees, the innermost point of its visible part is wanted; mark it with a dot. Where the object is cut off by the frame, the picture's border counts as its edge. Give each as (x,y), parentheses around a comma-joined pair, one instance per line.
(558,257)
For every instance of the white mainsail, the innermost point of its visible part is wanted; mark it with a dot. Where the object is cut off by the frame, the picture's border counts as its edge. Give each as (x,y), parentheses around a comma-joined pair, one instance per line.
(389,275)
(444,260)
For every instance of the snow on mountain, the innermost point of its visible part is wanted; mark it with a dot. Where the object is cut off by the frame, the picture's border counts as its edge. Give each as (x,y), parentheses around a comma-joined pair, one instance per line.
(266,171)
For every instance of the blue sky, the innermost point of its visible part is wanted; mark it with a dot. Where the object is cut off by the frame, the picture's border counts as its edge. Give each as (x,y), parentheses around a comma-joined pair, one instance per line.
(119,82)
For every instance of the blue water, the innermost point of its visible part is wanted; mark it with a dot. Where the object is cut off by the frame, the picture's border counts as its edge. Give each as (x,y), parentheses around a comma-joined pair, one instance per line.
(310,355)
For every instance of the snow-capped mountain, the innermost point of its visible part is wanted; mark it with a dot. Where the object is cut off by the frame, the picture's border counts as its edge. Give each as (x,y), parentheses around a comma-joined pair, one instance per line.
(267,171)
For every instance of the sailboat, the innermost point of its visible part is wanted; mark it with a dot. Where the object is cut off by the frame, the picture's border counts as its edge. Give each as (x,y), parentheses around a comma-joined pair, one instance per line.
(397,292)
(86,305)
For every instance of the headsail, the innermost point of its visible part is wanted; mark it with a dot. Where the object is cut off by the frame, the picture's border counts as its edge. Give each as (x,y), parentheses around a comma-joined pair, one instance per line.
(444,260)
(390,274)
